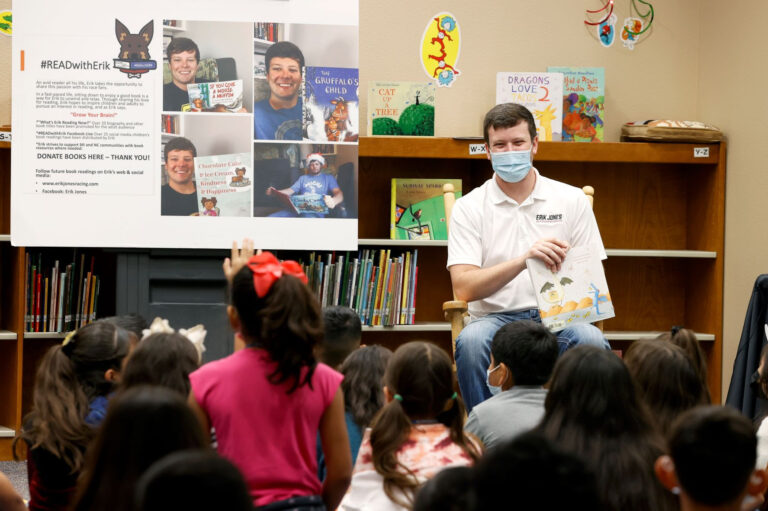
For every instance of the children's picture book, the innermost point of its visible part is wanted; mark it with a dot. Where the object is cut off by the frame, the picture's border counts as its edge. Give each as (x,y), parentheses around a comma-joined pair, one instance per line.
(301,203)
(215,96)
(583,103)
(578,293)
(541,93)
(418,209)
(224,185)
(401,108)
(330,104)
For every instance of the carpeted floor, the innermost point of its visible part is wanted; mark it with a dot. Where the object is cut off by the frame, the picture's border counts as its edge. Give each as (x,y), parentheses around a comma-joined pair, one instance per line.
(16,471)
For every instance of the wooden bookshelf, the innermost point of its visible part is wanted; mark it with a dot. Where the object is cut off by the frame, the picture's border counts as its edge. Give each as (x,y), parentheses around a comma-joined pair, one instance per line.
(660,210)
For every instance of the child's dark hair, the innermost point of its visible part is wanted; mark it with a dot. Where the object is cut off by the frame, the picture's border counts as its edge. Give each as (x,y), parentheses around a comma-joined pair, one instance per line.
(678,390)
(69,377)
(164,359)
(143,424)
(192,480)
(286,322)
(420,377)
(528,349)
(342,335)
(363,382)
(208,199)
(134,323)
(686,339)
(714,452)
(452,489)
(284,49)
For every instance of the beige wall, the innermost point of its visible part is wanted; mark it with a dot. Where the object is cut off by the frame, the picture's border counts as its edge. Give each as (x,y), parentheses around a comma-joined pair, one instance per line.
(702,60)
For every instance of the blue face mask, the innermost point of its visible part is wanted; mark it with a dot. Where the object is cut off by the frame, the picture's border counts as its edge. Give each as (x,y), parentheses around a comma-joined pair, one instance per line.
(511,166)
(493,388)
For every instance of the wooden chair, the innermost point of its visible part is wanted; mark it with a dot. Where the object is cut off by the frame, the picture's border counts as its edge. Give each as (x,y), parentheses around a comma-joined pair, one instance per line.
(456,311)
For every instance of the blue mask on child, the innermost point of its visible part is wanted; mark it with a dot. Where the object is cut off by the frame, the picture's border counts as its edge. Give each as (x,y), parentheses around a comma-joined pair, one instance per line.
(511,166)
(493,388)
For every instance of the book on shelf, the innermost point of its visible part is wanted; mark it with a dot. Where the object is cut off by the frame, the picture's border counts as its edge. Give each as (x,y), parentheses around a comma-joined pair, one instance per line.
(378,286)
(224,185)
(576,294)
(265,31)
(418,209)
(401,108)
(541,93)
(170,124)
(330,104)
(59,297)
(215,96)
(583,103)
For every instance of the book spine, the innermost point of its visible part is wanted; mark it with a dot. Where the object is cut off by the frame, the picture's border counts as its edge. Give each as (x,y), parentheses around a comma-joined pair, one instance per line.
(55,297)
(360,280)
(324,288)
(337,284)
(96,299)
(406,288)
(93,299)
(79,293)
(44,320)
(68,299)
(371,294)
(398,291)
(413,301)
(412,290)
(27,269)
(37,300)
(86,300)
(62,294)
(353,284)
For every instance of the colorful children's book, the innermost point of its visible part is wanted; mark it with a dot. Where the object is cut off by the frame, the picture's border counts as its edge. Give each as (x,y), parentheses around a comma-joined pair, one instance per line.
(401,108)
(583,103)
(215,96)
(224,184)
(578,293)
(541,93)
(418,209)
(330,104)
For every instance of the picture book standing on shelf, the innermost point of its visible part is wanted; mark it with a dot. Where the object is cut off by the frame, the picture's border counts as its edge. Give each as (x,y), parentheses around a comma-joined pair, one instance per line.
(401,108)
(541,93)
(583,103)
(578,293)
(224,185)
(330,104)
(418,209)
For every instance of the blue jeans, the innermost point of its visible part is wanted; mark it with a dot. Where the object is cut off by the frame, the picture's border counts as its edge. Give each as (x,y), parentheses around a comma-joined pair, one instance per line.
(473,349)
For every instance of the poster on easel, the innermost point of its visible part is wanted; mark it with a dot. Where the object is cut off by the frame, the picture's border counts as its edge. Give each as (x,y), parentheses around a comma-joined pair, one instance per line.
(132,117)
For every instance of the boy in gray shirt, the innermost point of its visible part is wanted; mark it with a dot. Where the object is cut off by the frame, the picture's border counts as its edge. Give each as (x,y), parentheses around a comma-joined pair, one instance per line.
(523,354)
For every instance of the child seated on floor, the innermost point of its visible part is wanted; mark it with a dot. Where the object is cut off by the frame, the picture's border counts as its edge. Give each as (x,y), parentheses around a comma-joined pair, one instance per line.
(419,432)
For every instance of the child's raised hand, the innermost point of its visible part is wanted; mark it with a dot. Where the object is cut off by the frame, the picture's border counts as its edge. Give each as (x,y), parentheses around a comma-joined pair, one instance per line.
(238,258)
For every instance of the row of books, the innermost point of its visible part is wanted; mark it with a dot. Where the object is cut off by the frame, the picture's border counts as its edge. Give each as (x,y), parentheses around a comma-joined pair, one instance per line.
(170,124)
(59,298)
(265,31)
(170,23)
(380,288)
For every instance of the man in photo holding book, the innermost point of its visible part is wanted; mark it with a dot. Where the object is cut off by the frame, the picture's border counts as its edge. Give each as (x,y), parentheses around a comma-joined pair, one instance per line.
(516,215)
(278,117)
(183,59)
(179,196)
(314,183)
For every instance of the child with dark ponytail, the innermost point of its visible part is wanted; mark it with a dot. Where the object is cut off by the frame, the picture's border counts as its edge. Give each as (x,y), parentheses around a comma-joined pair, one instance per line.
(419,432)
(72,385)
(268,401)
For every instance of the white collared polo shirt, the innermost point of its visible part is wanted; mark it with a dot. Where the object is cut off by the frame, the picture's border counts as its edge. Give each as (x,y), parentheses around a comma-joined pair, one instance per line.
(488,227)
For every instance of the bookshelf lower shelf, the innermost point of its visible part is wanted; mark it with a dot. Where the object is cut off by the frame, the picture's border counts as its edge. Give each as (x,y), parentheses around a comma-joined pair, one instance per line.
(44,335)
(5,335)
(7,432)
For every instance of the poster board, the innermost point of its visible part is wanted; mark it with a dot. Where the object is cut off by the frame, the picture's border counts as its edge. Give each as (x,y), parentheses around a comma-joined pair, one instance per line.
(94,118)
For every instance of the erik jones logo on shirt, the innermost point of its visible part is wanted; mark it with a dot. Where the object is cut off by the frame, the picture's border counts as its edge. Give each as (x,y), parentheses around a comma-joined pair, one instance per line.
(551,218)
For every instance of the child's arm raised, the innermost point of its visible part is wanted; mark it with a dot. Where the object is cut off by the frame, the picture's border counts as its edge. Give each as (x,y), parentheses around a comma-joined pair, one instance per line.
(338,460)
(238,259)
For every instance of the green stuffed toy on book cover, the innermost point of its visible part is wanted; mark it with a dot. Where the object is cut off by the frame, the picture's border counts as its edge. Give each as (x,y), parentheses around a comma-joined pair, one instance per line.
(418,210)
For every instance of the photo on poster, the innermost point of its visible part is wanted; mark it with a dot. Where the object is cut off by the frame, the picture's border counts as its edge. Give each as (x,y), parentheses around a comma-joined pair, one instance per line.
(199,139)
(304,180)
(207,67)
(277,100)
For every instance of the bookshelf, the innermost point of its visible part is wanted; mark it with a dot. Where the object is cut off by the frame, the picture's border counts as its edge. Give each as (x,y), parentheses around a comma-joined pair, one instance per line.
(660,210)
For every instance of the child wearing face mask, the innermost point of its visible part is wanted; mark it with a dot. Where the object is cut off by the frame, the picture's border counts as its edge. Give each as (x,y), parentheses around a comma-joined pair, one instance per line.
(523,354)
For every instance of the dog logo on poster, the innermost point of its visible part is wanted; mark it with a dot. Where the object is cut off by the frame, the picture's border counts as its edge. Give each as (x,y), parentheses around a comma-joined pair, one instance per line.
(134,59)
(440,49)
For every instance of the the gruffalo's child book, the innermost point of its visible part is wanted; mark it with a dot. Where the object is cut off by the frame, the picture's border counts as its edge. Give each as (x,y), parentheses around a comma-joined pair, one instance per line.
(583,103)
(215,96)
(578,293)
(330,104)
(224,184)
(418,210)
(401,108)
(541,93)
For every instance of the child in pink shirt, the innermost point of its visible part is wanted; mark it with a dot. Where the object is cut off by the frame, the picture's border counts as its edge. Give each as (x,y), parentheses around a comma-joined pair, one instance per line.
(268,401)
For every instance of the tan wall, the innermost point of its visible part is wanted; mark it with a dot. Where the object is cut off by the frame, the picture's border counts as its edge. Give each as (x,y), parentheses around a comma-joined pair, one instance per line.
(732,81)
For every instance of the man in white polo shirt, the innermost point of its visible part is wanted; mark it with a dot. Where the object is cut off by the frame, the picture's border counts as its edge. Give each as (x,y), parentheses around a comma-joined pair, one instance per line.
(516,215)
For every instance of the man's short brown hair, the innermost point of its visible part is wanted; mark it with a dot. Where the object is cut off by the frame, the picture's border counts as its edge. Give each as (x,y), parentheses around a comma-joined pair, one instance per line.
(507,115)
(179,144)
(182,44)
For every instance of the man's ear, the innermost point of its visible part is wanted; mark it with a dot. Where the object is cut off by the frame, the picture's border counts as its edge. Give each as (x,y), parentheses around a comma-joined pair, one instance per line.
(665,472)
(534,146)
(234,318)
(487,151)
(758,482)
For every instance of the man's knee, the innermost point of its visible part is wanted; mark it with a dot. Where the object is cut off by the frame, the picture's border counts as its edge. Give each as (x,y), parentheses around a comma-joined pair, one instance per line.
(582,335)
(475,340)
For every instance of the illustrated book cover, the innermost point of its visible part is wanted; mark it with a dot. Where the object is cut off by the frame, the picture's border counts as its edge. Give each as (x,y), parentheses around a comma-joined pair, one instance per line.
(224,185)
(541,93)
(330,104)
(301,203)
(401,108)
(583,103)
(418,209)
(215,96)
(578,293)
